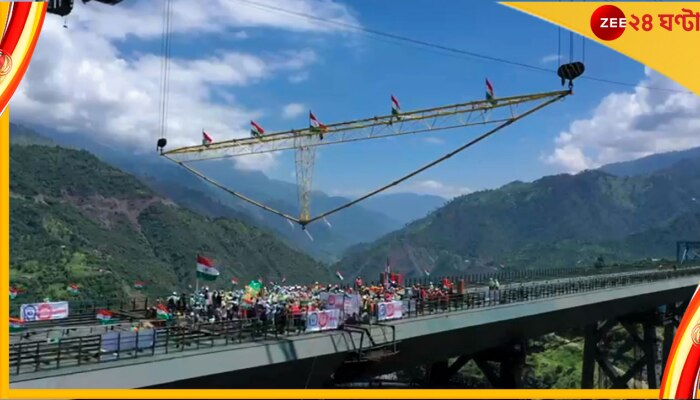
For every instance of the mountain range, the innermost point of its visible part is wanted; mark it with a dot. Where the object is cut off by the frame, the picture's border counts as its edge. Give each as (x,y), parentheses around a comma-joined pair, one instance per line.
(622,212)
(359,224)
(76,220)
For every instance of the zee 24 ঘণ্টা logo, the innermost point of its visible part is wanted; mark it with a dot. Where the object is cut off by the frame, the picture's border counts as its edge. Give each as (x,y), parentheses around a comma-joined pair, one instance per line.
(608,22)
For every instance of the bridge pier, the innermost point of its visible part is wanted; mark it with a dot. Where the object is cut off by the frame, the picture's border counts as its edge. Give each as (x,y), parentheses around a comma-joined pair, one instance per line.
(597,336)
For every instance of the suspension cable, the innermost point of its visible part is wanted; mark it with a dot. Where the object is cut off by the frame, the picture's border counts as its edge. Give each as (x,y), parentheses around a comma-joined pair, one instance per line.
(165,69)
(439,160)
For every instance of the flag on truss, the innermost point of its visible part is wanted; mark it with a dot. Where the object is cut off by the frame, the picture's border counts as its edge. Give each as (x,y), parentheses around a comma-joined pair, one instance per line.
(316,126)
(489,92)
(206,139)
(256,130)
(395,107)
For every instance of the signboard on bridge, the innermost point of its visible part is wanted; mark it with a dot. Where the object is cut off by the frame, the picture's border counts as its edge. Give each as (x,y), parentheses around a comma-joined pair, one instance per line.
(348,303)
(390,310)
(113,342)
(325,320)
(44,311)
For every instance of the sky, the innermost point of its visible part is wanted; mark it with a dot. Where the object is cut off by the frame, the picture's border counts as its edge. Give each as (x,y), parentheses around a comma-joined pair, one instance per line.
(232,62)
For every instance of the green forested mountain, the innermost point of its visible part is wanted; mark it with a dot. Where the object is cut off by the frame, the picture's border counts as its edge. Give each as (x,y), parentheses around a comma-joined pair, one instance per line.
(561,220)
(74,219)
(355,225)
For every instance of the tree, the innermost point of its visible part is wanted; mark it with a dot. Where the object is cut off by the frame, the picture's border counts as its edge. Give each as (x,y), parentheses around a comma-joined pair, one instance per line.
(599,262)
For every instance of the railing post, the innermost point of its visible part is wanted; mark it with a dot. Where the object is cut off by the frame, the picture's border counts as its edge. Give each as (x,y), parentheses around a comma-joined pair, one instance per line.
(136,347)
(58,354)
(19,356)
(155,338)
(37,360)
(80,349)
(119,345)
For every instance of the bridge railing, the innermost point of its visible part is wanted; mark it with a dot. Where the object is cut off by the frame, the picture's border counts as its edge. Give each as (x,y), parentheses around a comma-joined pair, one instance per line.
(80,307)
(418,307)
(38,355)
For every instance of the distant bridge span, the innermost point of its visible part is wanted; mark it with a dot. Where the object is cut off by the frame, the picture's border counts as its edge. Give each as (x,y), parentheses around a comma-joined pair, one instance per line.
(322,359)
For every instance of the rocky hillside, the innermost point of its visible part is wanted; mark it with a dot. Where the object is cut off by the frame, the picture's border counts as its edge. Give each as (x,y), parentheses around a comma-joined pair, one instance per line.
(75,219)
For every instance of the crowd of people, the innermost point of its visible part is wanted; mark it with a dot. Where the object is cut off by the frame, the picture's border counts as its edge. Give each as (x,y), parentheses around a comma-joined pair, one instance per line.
(276,301)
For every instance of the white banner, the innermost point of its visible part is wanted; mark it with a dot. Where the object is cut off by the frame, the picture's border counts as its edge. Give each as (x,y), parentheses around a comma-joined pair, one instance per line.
(322,320)
(390,310)
(44,311)
(348,303)
(121,341)
(333,301)
(352,305)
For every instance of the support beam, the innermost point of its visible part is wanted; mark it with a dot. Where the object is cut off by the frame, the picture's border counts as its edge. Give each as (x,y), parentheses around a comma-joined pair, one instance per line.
(669,333)
(593,353)
(460,362)
(650,353)
(511,362)
(590,347)
(437,374)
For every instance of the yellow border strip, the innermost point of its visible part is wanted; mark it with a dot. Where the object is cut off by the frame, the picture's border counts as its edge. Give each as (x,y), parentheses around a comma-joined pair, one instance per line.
(335,394)
(5,253)
(6,392)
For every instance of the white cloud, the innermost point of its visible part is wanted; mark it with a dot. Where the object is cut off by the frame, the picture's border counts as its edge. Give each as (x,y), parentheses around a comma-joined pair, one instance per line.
(264,162)
(549,58)
(240,35)
(144,18)
(433,187)
(293,110)
(630,125)
(299,77)
(427,186)
(433,140)
(80,82)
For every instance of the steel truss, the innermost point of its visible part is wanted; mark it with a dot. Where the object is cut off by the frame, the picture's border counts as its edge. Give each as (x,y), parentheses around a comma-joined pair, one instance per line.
(499,112)
(651,360)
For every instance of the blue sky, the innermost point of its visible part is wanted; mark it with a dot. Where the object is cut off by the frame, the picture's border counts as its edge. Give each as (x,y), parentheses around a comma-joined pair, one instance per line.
(355,80)
(348,75)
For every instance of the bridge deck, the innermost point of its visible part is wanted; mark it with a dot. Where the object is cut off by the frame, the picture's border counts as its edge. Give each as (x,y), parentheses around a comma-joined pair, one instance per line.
(572,307)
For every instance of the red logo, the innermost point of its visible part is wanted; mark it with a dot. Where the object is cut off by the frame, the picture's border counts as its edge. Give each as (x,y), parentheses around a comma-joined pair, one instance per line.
(322,319)
(695,335)
(45,312)
(608,22)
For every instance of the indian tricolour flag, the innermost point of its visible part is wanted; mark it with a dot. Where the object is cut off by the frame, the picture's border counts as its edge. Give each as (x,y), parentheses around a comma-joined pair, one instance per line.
(13,293)
(489,92)
(395,107)
(105,316)
(205,269)
(316,126)
(234,281)
(73,289)
(162,312)
(16,325)
(206,139)
(139,285)
(339,275)
(256,130)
